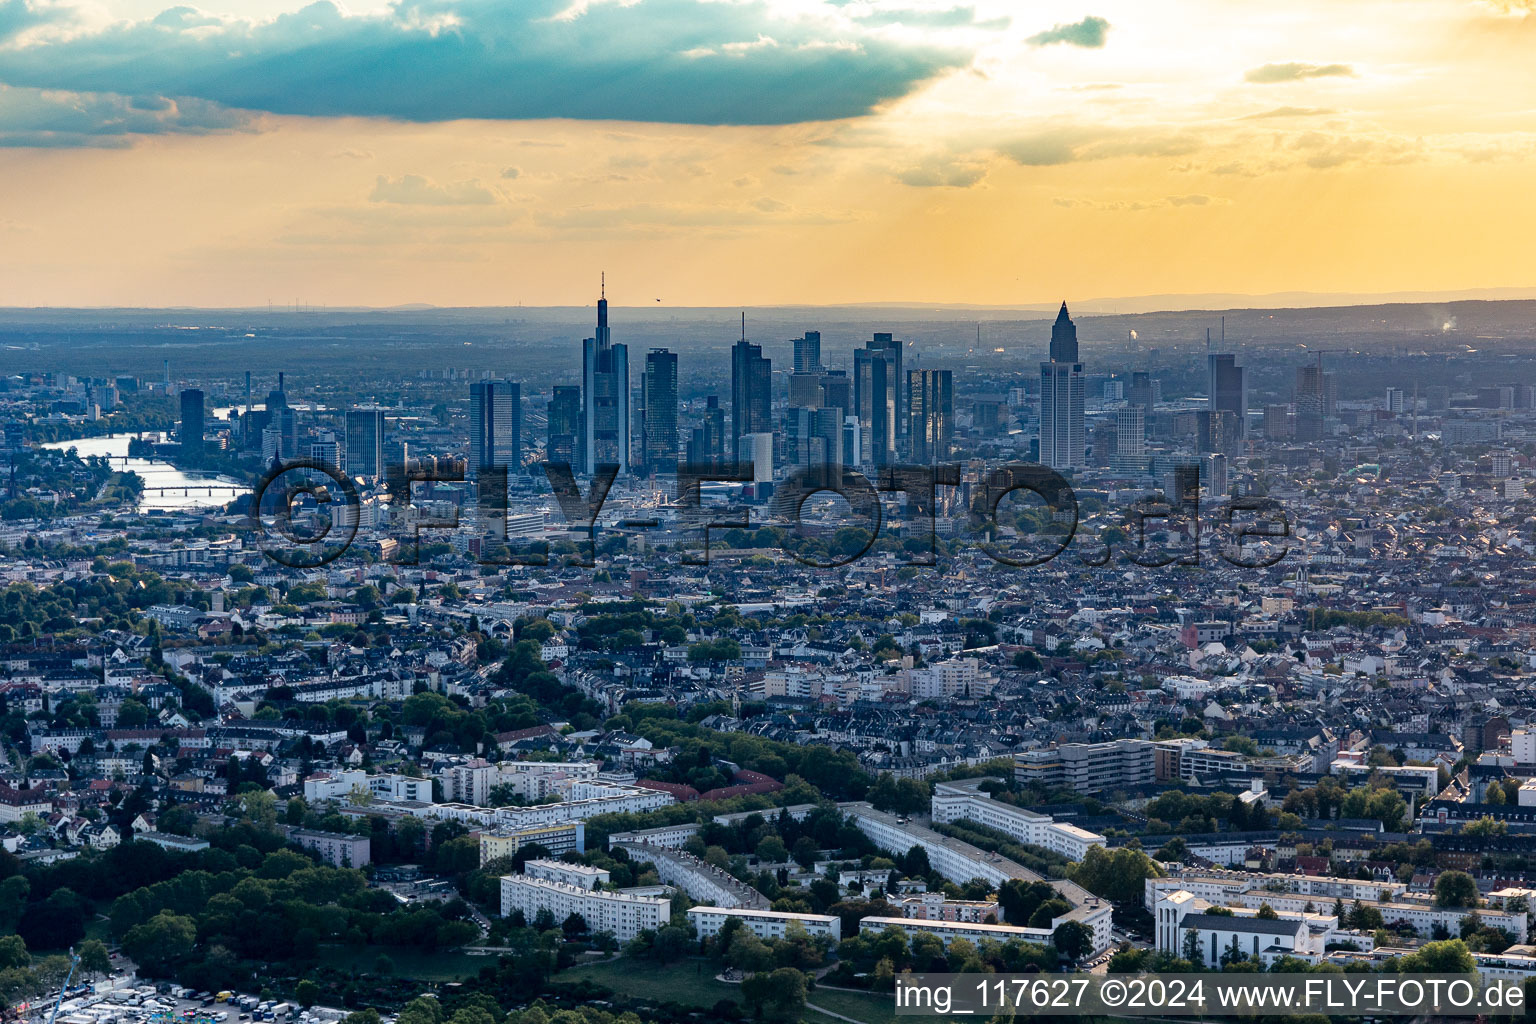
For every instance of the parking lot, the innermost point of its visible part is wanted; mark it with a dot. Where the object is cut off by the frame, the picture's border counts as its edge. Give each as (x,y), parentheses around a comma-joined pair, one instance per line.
(130,1002)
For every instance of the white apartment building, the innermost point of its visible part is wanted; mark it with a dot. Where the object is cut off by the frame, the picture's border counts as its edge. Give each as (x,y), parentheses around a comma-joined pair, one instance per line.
(471,783)
(1087,767)
(956,801)
(704,883)
(1522,746)
(1245,893)
(579,875)
(338,785)
(956,677)
(765,924)
(932,906)
(556,839)
(961,862)
(625,915)
(536,780)
(468,783)
(668,837)
(338,849)
(949,931)
(587,801)
(1220,886)
(1178,915)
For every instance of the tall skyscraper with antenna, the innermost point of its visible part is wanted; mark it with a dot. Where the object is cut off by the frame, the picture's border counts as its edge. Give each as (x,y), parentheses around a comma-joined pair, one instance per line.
(1062,441)
(751,389)
(605,395)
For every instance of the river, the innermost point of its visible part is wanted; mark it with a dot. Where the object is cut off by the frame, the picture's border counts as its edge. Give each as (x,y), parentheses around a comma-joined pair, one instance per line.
(157,475)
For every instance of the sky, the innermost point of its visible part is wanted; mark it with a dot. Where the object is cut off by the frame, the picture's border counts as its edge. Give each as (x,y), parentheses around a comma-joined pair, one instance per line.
(756,152)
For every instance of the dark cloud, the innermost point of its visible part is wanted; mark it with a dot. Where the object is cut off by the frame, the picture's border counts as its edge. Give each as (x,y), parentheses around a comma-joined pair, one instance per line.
(20,15)
(57,120)
(1090,33)
(1271,74)
(674,61)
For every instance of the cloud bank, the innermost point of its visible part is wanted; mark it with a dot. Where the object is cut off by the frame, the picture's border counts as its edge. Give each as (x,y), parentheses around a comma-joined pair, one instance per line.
(666,61)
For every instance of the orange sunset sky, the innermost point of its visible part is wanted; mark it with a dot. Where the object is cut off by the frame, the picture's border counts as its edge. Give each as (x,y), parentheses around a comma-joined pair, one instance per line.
(710,152)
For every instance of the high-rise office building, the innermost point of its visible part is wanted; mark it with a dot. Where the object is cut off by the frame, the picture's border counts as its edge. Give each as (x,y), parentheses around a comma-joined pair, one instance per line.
(1062,441)
(756,450)
(1396,401)
(1277,423)
(1216,475)
(495,425)
(1227,389)
(1131,440)
(813,437)
(191,433)
(1316,399)
(282,417)
(605,396)
(326,449)
(365,443)
(879,397)
(751,389)
(1140,392)
(805,390)
(808,353)
(1216,430)
(564,441)
(658,398)
(837,391)
(931,411)
(706,446)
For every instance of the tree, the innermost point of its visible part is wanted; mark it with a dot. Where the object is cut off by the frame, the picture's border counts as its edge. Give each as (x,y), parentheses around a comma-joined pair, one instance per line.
(13,901)
(54,923)
(671,943)
(1267,913)
(1455,889)
(1448,957)
(772,850)
(13,953)
(804,852)
(161,943)
(779,996)
(1048,911)
(94,958)
(1072,939)
(1119,877)
(1192,951)
(749,954)
(307,993)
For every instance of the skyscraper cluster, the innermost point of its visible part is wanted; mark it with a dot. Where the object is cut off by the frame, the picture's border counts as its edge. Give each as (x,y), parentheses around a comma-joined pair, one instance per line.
(605,396)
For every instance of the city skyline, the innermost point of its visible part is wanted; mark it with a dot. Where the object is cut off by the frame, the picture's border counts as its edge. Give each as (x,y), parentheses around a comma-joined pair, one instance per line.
(1317,148)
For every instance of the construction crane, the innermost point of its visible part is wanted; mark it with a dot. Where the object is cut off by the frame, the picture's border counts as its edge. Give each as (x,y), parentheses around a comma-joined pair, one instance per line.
(74,962)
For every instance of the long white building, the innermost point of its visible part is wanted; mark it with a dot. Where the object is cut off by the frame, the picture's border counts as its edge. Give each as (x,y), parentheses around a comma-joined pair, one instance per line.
(1183,923)
(1300,894)
(963,800)
(765,924)
(961,862)
(623,914)
(949,931)
(704,883)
